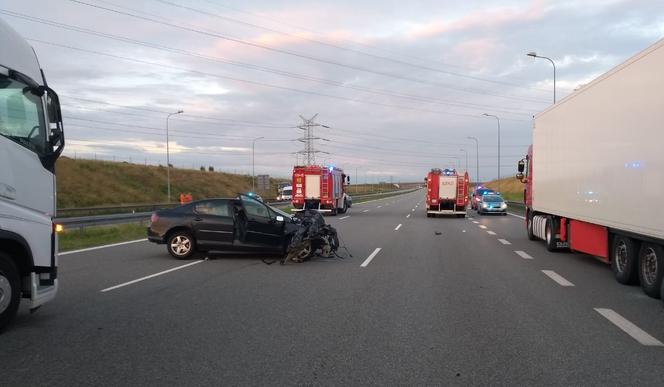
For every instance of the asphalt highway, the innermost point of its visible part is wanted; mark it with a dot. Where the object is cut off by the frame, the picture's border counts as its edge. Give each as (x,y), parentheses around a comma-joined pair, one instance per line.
(422,301)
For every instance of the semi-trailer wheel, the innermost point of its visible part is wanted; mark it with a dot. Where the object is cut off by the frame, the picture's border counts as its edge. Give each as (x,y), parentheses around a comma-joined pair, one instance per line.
(651,268)
(549,235)
(624,260)
(10,293)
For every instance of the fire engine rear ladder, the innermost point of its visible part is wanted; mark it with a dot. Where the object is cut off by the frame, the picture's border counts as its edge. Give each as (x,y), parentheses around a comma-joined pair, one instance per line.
(460,191)
(323,189)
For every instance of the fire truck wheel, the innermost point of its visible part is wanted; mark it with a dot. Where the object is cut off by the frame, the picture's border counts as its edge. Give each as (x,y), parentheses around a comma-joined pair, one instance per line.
(333,212)
(10,293)
(651,268)
(624,260)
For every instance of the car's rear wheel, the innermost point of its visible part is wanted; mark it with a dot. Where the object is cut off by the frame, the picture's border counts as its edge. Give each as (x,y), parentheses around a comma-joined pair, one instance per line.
(181,244)
(10,294)
(624,260)
(651,269)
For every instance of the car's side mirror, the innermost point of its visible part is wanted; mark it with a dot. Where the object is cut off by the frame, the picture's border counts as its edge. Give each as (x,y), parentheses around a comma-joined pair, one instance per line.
(521,166)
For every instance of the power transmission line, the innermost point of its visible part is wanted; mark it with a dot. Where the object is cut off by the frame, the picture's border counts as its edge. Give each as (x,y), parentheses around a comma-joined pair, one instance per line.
(309,152)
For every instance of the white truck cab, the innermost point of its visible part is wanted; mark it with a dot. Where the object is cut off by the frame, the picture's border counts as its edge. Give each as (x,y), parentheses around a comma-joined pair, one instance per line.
(31,140)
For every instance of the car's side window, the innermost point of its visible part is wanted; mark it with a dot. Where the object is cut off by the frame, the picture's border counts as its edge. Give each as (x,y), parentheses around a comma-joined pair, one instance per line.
(216,208)
(255,209)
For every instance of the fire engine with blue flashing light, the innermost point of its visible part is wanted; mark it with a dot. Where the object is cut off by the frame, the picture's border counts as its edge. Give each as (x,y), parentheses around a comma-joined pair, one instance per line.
(321,188)
(447,192)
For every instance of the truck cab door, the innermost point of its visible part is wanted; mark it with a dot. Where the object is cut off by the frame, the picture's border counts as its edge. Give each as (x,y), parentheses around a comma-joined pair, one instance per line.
(213,223)
(262,227)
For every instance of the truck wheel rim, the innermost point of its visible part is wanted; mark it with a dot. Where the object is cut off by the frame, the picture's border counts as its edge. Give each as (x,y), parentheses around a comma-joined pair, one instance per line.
(650,266)
(621,256)
(180,245)
(5,293)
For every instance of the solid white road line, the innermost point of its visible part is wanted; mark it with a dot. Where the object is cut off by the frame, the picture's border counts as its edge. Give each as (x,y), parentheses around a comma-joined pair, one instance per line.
(490,232)
(397,227)
(151,276)
(504,241)
(628,327)
(482,226)
(557,277)
(365,211)
(344,217)
(476,222)
(101,247)
(408,216)
(368,260)
(517,216)
(523,254)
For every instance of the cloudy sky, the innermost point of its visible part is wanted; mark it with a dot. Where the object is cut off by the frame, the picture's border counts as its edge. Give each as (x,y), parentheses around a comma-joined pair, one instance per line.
(400,84)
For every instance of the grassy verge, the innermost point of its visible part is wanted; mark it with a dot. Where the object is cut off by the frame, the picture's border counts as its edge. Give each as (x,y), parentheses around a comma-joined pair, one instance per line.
(75,239)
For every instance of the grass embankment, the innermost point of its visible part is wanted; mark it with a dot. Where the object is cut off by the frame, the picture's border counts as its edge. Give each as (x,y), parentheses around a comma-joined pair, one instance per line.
(88,183)
(75,239)
(510,188)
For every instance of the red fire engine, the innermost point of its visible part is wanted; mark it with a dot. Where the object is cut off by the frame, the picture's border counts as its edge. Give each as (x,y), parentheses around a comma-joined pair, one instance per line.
(321,188)
(447,192)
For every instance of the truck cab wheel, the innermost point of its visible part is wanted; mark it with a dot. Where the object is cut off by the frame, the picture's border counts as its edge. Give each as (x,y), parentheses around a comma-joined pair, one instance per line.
(624,260)
(529,228)
(550,235)
(651,269)
(10,293)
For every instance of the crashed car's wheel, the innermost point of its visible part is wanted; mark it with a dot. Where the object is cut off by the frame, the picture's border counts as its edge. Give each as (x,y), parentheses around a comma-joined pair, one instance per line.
(181,245)
(303,251)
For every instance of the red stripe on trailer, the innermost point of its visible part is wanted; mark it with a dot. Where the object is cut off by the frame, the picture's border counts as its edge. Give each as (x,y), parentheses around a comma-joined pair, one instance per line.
(589,238)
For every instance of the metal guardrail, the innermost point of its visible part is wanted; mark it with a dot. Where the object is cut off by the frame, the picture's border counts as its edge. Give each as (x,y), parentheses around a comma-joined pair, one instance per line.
(143,216)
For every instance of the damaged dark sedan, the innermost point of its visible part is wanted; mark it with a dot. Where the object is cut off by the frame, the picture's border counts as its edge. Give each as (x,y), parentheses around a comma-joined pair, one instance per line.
(241,224)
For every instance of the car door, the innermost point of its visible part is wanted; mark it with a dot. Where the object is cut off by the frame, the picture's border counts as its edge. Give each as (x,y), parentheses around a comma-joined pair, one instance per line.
(213,223)
(263,228)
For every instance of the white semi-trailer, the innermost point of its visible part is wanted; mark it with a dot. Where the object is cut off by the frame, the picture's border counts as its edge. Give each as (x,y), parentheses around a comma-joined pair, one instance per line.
(595,172)
(31,139)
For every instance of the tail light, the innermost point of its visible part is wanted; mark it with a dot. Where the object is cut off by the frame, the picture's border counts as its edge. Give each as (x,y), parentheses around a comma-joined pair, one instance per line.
(154,217)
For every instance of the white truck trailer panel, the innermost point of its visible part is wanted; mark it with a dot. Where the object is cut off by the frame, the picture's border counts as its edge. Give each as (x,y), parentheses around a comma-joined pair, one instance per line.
(447,187)
(598,155)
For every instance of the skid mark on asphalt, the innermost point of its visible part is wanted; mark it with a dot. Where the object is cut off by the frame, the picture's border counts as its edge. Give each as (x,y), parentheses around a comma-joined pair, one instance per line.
(628,327)
(560,280)
(151,276)
(370,257)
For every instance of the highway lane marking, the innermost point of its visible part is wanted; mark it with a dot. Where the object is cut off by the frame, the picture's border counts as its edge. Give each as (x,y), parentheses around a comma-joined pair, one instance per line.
(344,217)
(557,277)
(365,211)
(413,210)
(628,327)
(408,216)
(151,276)
(469,218)
(517,216)
(102,247)
(490,232)
(476,222)
(523,254)
(398,227)
(379,207)
(504,241)
(482,226)
(368,260)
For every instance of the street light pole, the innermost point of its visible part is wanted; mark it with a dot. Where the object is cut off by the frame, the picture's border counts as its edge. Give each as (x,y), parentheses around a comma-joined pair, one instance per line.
(498,120)
(466,152)
(253,163)
(168,156)
(477,154)
(534,55)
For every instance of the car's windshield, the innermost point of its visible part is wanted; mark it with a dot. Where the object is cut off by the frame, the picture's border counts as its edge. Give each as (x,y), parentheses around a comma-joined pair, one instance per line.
(287,192)
(492,198)
(22,115)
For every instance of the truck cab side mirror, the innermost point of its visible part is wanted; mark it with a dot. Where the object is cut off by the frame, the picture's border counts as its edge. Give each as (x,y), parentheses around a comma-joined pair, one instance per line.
(347,179)
(521,166)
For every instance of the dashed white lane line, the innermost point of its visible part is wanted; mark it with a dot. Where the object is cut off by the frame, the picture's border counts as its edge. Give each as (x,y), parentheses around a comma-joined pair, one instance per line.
(557,277)
(379,206)
(504,241)
(365,211)
(523,254)
(397,227)
(482,226)
(408,216)
(476,222)
(344,217)
(370,257)
(151,276)
(101,247)
(469,218)
(628,327)
(413,210)
(517,216)
(490,232)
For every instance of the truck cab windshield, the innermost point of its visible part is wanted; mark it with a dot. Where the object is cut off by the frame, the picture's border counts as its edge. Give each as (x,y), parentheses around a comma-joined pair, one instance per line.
(22,115)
